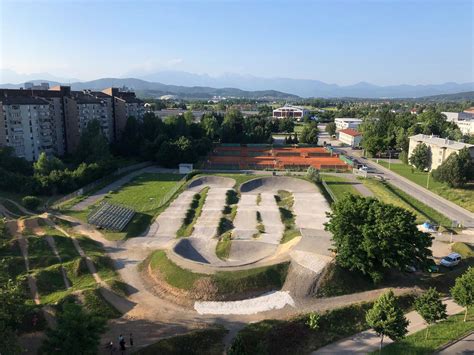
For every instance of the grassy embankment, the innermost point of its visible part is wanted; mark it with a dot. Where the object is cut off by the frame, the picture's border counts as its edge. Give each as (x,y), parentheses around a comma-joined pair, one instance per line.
(285,201)
(440,334)
(225,282)
(145,194)
(463,197)
(294,336)
(193,213)
(205,341)
(339,185)
(388,193)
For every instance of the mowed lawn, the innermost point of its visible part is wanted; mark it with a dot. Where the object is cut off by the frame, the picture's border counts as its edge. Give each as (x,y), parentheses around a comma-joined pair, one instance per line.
(388,193)
(339,185)
(462,197)
(145,192)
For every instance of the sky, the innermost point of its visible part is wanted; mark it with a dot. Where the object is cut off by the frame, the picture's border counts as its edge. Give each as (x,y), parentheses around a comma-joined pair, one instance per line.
(383,42)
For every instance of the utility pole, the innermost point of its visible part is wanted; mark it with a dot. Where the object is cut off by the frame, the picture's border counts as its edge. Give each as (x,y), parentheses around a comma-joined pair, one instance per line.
(428,181)
(389,159)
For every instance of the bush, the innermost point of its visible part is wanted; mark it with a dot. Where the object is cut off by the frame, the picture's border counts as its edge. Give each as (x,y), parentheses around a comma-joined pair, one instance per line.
(31,202)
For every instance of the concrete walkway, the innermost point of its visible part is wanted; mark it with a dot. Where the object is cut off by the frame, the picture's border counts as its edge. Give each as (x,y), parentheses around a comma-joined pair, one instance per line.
(367,341)
(464,346)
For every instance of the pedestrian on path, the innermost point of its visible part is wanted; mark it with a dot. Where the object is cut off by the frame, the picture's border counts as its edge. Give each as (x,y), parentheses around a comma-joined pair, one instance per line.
(131,339)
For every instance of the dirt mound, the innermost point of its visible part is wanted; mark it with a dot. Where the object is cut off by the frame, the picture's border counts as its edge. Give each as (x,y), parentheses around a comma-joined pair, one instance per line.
(211,181)
(275,183)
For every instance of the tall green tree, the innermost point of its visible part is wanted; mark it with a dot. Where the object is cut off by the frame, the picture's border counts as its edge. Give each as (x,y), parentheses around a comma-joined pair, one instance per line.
(331,128)
(387,318)
(456,170)
(430,306)
(365,231)
(463,290)
(76,333)
(44,165)
(420,158)
(309,134)
(93,146)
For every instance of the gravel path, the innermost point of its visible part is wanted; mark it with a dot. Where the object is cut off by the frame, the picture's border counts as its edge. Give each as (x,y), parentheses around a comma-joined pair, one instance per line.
(269,301)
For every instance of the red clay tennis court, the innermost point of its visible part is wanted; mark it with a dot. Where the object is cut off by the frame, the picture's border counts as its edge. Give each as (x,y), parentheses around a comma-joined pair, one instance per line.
(281,158)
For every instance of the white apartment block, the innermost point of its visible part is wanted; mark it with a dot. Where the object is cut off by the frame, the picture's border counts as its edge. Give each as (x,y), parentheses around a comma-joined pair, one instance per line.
(464,121)
(345,123)
(26,126)
(441,148)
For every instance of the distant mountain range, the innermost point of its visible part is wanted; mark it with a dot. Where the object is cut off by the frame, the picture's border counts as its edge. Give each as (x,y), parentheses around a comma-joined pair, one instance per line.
(189,85)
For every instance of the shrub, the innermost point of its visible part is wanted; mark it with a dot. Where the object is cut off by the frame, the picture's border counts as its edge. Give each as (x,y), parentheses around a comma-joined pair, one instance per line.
(31,202)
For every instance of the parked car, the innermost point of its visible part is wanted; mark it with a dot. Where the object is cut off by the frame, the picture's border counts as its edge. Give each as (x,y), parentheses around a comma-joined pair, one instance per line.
(451,260)
(367,169)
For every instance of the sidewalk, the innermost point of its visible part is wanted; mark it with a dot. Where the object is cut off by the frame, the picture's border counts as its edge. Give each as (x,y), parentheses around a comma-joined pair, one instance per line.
(367,341)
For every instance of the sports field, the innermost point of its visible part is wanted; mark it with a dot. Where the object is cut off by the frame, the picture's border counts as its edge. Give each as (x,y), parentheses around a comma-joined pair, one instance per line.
(274,158)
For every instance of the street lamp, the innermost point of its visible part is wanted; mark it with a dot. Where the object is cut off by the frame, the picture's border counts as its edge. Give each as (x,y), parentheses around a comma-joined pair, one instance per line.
(428,181)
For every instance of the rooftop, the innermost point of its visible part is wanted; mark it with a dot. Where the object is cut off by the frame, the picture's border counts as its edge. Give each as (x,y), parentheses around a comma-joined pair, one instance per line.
(440,142)
(22,100)
(348,119)
(350,132)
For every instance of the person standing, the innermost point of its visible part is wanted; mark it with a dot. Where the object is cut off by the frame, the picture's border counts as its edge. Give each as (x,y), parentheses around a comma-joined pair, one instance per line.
(131,339)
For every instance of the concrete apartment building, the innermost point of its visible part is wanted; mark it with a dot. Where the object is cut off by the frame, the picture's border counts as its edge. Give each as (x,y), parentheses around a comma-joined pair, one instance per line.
(441,148)
(290,111)
(350,137)
(59,115)
(345,123)
(464,120)
(26,126)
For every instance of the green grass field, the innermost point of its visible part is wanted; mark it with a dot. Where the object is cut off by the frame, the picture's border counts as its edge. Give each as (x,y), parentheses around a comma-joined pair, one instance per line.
(439,334)
(145,195)
(388,193)
(462,197)
(192,214)
(223,246)
(339,185)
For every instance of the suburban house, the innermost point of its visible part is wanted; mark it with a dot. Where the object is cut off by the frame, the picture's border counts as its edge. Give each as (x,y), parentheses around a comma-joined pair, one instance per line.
(441,148)
(344,123)
(350,137)
(290,111)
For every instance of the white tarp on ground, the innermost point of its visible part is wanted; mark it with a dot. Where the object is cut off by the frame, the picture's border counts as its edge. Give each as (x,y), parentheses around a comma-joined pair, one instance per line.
(267,302)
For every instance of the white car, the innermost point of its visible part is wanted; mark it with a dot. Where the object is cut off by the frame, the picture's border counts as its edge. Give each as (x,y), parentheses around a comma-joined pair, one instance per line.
(451,260)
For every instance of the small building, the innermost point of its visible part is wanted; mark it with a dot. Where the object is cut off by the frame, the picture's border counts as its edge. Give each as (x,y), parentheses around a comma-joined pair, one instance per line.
(441,148)
(350,137)
(345,123)
(185,168)
(290,111)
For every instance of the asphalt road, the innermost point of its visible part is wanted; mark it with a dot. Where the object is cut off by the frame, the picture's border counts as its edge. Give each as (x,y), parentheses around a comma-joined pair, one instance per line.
(464,346)
(449,209)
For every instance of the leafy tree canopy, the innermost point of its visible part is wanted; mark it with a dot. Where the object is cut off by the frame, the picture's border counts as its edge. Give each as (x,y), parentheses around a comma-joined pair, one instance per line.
(420,158)
(463,290)
(365,231)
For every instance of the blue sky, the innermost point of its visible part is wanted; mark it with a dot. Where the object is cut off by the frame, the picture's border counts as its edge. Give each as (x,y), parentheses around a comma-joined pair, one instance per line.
(343,42)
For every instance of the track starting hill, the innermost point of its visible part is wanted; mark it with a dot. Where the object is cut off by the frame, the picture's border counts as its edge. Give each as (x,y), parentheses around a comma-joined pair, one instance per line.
(273,158)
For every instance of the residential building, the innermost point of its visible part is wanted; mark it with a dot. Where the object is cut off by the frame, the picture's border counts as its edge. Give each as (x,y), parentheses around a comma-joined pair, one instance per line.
(290,111)
(345,123)
(33,86)
(59,116)
(441,148)
(350,137)
(26,126)
(464,120)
